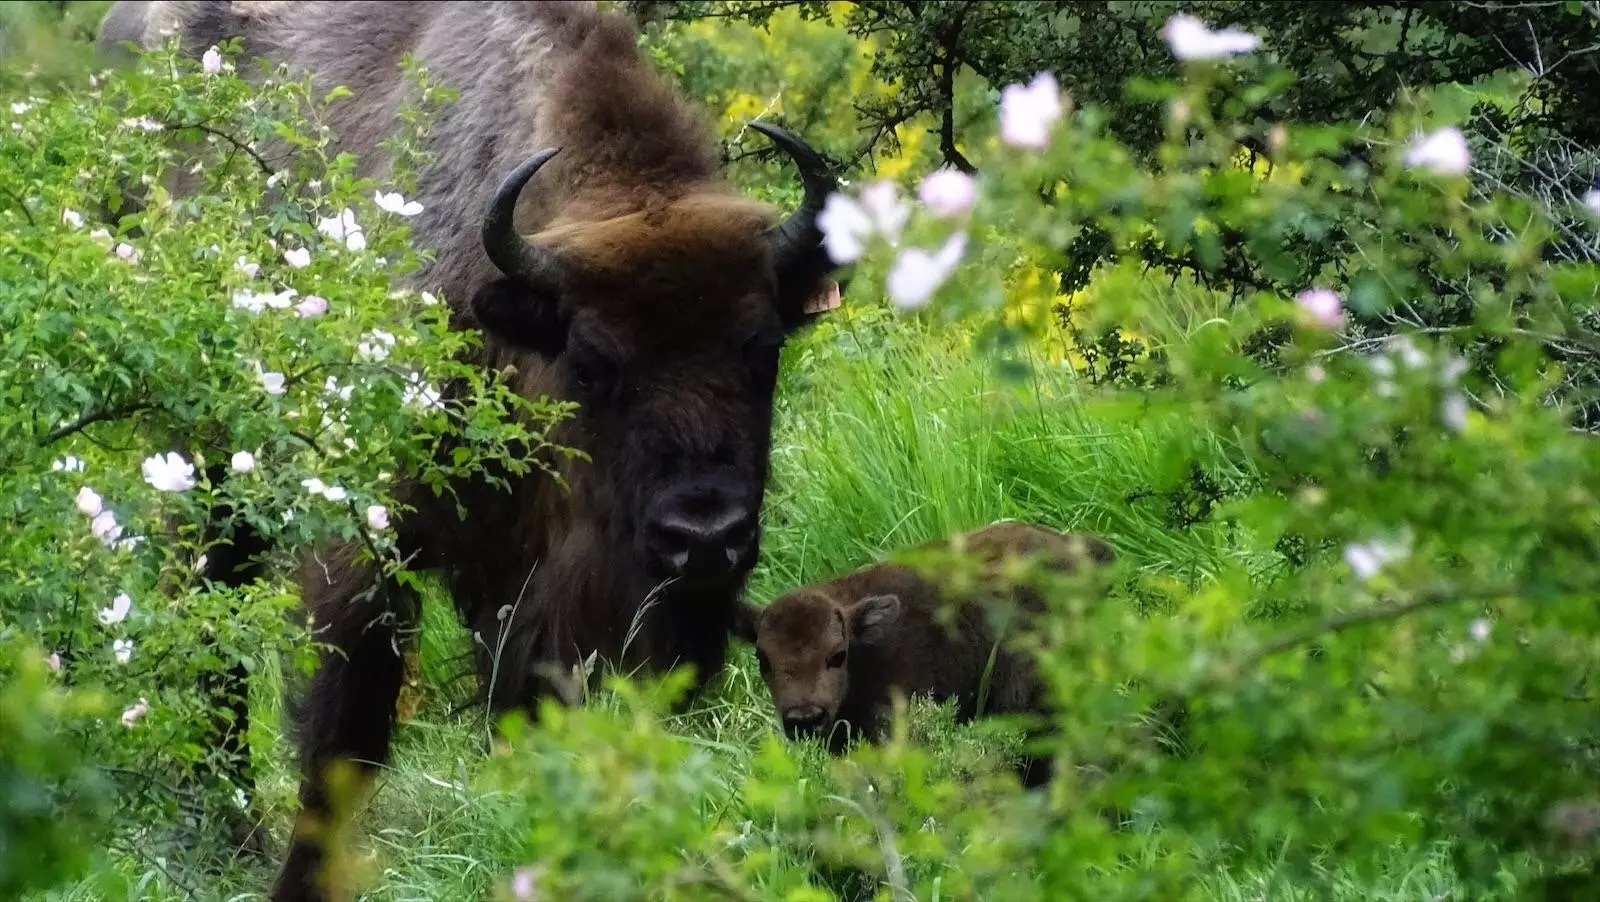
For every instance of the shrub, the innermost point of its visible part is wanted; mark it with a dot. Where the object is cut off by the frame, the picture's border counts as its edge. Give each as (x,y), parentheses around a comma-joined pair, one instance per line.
(197,315)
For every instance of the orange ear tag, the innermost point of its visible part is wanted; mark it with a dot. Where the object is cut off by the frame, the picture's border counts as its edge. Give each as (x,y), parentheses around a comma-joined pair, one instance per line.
(824,300)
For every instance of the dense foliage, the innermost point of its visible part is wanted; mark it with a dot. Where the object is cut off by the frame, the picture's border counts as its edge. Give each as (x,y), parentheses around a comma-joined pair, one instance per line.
(1344,450)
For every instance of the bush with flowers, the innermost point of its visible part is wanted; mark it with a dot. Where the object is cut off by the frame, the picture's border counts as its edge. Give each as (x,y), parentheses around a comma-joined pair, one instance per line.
(1384,648)
(240,345)
(1395,652)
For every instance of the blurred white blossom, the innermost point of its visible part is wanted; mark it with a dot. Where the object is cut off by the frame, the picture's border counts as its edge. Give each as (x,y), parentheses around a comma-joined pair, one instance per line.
(1191,39)
(1444,151)
(948,192)
(917,274)
(1028,112)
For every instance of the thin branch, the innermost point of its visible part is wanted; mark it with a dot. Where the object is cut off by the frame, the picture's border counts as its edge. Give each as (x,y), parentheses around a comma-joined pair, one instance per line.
(21,205)
(95,416)
(265,167)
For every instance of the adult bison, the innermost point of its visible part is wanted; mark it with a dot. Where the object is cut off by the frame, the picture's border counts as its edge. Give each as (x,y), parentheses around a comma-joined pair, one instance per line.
(579,220)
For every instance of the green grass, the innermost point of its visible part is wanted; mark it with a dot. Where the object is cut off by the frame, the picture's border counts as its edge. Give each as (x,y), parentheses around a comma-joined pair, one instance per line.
(886,436)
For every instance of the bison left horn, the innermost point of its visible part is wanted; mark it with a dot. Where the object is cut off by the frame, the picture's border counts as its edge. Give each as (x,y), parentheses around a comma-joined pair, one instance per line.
(798,235)
(529,264)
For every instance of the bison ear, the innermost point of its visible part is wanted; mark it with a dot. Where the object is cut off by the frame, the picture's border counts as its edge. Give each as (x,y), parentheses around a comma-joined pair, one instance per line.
(873,617)
(520,318)
(809,290)
(746,620)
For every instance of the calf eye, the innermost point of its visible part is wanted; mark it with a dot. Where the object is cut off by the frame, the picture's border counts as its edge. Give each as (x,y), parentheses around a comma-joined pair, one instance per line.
(836,660)
(763,663)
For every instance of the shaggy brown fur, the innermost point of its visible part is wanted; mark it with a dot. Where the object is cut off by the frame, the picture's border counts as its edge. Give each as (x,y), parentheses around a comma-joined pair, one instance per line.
(667,331)
(835,653)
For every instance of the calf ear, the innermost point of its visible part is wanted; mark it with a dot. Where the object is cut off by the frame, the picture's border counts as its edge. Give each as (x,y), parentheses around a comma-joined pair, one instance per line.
(746,618)
(520,318)
(873,617)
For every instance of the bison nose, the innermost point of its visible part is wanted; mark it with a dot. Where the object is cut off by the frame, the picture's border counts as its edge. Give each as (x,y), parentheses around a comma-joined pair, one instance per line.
(802,720)
(708,544)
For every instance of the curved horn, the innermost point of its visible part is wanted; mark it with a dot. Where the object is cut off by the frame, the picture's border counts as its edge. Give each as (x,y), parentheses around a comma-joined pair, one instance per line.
(798,234)
(527,263)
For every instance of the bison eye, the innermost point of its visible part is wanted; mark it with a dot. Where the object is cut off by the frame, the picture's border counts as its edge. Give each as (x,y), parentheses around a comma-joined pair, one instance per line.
(836,660)
(763,663)
(592,373)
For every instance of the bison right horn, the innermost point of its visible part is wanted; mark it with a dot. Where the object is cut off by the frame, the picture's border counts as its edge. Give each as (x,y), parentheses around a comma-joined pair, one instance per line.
(798,235)
(527,263)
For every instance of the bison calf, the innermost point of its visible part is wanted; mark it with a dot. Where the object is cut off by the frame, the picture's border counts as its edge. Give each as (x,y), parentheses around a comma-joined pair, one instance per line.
(834,653)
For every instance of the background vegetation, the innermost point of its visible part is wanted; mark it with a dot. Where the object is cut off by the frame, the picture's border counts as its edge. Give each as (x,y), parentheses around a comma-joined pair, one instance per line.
(1361,550)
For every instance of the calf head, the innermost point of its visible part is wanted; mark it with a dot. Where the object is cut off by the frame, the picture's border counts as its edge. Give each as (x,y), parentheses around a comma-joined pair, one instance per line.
(663,318)
(804,641)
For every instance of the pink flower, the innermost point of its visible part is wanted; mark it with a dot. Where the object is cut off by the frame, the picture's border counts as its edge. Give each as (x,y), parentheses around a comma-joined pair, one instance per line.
(88,502)
(1190,39)
(1028,113)
(312,306)
(524,886)
(1323,306)
(135,713)
(1444,152)
(53,661)
(917,274)
(378,517)
(211,61)
(949,192)
(105,528)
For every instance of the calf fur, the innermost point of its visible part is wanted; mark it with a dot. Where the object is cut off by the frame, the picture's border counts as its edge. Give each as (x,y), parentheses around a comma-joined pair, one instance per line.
(834,654)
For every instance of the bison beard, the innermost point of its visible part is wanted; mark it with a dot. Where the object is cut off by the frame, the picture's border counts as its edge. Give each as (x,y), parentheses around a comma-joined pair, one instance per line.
(646,291)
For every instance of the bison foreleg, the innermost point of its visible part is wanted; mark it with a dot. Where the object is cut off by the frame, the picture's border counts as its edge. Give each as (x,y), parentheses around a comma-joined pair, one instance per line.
(348,714)
(233,559)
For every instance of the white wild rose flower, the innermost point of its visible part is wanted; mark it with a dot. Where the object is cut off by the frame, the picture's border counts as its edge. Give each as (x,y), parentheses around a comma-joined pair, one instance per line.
(242,462)
(168,472)
(299,257)
(118,611)
(394,203)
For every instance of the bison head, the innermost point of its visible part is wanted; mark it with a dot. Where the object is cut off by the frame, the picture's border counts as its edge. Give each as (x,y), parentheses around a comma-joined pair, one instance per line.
(663,318)
(803,645)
